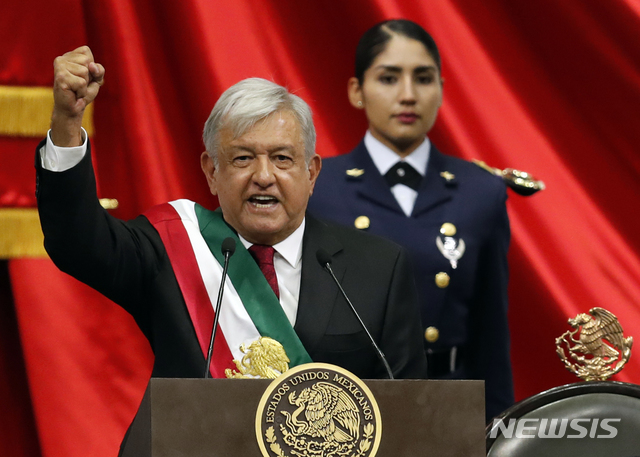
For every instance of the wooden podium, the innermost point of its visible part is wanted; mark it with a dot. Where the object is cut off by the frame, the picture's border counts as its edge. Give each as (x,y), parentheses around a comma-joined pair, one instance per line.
(216,417)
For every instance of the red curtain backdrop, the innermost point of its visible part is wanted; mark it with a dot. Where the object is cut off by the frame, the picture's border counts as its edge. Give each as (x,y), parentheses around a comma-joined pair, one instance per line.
(549,87)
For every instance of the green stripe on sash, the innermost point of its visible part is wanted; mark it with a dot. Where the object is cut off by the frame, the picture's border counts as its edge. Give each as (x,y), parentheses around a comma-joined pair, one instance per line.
(256,294)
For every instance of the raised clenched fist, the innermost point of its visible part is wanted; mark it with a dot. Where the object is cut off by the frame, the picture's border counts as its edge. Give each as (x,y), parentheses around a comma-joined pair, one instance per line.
(77,80)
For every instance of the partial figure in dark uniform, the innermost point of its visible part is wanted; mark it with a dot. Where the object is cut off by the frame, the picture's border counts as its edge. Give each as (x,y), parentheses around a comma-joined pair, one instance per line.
(449,213)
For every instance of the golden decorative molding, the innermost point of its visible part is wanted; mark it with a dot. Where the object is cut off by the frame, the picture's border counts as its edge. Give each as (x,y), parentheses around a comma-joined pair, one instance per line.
(20,232)
(21,235)
(26,111)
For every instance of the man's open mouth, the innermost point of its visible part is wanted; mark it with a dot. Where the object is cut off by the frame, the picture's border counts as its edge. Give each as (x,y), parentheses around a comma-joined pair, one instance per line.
(263,201)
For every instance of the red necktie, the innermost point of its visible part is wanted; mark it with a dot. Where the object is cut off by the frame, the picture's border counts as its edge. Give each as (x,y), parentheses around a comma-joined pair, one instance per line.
(264,256)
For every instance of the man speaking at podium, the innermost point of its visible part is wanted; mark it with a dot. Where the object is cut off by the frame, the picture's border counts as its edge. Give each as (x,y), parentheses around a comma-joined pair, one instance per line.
(165,267)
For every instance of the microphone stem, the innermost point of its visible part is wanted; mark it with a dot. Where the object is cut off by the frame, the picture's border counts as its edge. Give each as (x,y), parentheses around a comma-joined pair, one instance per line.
(227,255)
(381,356)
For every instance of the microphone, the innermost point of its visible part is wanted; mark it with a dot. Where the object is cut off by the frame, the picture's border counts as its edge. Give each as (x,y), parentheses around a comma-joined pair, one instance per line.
(324,259)
(228,248)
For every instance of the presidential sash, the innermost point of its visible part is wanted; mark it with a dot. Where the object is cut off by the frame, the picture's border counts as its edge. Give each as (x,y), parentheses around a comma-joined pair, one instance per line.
(192,236)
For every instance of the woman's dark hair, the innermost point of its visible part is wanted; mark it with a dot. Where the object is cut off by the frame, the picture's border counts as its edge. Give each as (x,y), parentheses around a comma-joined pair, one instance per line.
(374,41)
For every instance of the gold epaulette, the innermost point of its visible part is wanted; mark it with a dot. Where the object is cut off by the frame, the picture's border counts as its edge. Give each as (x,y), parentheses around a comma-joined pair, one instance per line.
(521,182)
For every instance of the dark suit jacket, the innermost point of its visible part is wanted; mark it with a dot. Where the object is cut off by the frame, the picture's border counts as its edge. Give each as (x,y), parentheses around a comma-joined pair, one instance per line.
(472,311)
(127,262)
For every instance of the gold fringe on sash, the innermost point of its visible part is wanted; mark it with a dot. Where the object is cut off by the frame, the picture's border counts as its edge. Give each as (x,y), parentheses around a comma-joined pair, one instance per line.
(26,111)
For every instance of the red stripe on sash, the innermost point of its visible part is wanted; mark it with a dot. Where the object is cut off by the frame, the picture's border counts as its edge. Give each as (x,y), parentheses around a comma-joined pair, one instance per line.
(174,236)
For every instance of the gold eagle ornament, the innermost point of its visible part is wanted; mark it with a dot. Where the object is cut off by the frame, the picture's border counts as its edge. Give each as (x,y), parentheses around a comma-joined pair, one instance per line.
(597,345)
(264,358)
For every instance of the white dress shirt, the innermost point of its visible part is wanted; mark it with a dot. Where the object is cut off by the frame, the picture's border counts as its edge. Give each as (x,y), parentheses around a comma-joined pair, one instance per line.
(287,259)
(287,262)
(384,158)
(55,158)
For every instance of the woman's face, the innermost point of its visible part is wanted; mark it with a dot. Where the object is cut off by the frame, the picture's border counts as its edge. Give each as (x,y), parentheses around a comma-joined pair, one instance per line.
(400,93)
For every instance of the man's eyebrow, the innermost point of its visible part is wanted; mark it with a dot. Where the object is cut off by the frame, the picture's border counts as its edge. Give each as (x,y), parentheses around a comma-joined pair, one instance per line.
(281,147)
(270,149)
(240,148)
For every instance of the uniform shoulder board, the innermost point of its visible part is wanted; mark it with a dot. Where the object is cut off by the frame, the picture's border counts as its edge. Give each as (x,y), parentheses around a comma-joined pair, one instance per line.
(521,182)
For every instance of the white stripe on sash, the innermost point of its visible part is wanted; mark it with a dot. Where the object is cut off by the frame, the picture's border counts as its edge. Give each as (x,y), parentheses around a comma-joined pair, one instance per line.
(235,323)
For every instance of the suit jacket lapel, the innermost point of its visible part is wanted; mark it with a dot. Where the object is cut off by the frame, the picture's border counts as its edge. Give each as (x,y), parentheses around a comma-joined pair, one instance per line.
(434,189)
(372,184)
(318,292)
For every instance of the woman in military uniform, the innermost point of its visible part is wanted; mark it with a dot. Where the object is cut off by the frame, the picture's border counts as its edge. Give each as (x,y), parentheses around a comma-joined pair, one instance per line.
(450,214)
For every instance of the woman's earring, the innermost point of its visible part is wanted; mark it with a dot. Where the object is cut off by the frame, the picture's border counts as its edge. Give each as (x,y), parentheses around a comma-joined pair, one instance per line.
(359,104)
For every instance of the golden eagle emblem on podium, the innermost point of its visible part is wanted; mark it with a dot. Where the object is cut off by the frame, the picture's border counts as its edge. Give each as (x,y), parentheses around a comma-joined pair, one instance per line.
(319,410)
(329,412)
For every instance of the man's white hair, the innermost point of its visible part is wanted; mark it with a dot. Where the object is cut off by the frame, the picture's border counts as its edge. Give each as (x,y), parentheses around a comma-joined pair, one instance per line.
(249,101)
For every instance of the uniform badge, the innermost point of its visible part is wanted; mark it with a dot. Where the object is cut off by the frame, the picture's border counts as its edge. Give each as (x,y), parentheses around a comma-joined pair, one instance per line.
(451,249)
(318,409)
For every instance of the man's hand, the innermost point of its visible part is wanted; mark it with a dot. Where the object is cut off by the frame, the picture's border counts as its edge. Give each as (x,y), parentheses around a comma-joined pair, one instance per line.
(77,80)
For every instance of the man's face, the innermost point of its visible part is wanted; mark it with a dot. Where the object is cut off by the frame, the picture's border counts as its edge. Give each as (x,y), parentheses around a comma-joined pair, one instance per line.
(262,181)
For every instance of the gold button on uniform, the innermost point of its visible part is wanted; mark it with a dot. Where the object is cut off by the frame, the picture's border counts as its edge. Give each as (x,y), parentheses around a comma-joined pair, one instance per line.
(442,280)
(431,334)
(362,222)
(448,229)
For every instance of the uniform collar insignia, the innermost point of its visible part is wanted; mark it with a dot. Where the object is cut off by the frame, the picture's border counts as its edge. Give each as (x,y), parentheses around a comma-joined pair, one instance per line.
(449,177)
(355,172)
